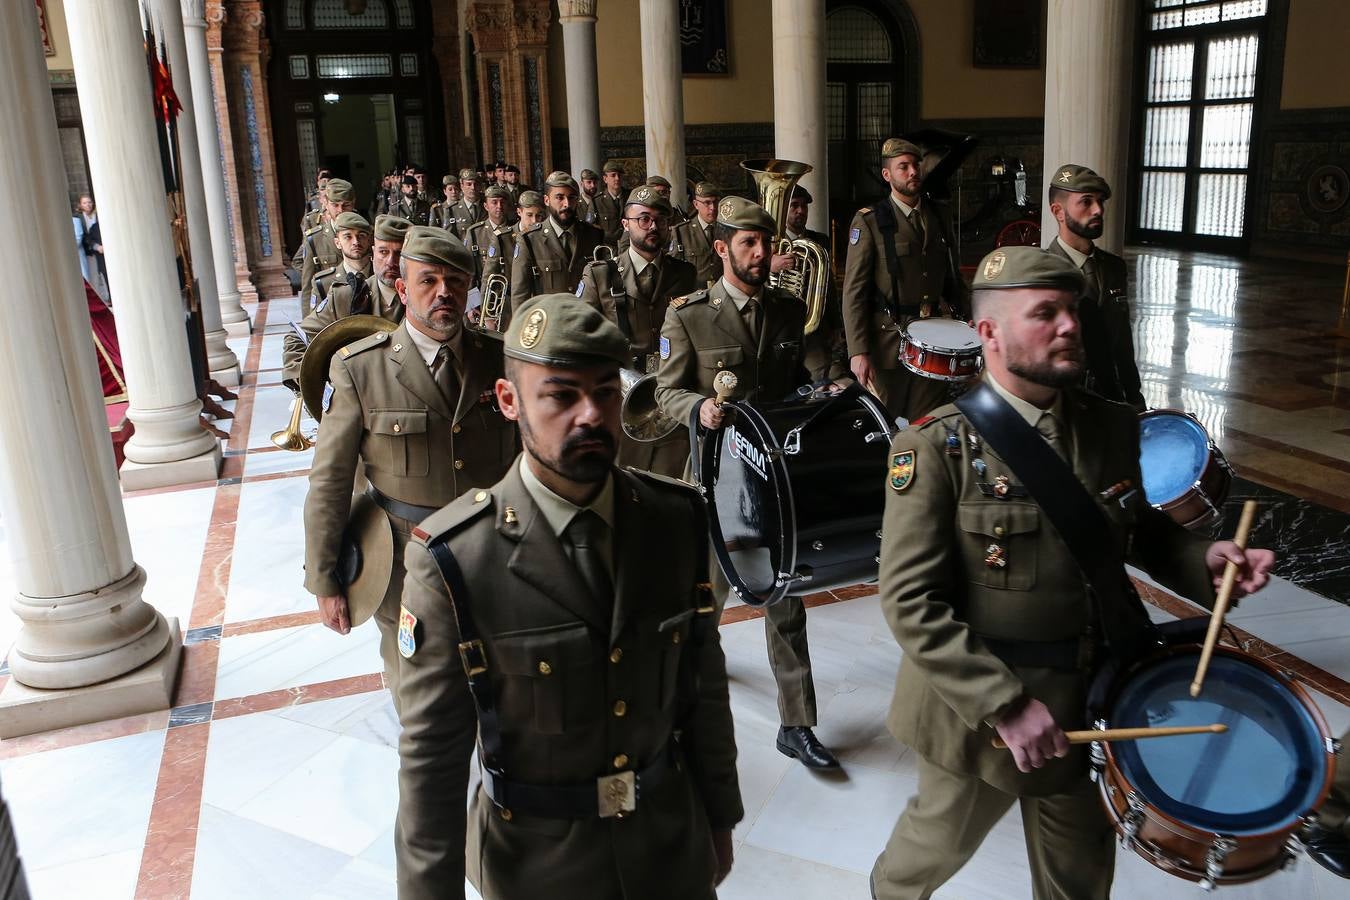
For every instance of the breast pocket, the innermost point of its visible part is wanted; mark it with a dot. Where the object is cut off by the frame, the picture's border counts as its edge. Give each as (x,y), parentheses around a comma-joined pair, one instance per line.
(398,442)
(552,273)
(714,360)
(999,543)
(550,679)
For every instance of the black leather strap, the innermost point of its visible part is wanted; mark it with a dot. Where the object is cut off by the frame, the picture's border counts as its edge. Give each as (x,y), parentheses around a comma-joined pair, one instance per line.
(568,801)
(884,212)
(1075,515)
(414,514)
(1070,655)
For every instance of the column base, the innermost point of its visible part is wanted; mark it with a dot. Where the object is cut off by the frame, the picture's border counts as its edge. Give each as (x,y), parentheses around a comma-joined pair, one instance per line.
(227,377)
(26,710)
(242,328)
(273,284)
(141,476)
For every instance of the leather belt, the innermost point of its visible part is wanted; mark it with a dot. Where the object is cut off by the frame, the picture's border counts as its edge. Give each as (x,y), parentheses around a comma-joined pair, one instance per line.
(414,514)
(608,796)
(1071,654)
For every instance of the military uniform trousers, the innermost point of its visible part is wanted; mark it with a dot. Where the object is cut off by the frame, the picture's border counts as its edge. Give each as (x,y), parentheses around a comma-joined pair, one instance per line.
(1070,844)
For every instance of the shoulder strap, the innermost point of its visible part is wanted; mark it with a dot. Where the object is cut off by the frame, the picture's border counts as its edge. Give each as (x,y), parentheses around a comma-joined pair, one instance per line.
(886,223)
(603,284)
(1076,517)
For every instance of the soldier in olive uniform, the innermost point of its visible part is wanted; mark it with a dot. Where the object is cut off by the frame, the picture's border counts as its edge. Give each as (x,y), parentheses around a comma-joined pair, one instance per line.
(900,267)
(469,209)
(608,204)
(320,242)
(755,333)
(633,291)
(602,718)
(1328,839)
(353,242)
(353,295)
(692,241)
(411,206)
(416,406)
(999,628)
(588,181)
(1078,198)
(550,259)
(441,215)
(827,350)
(487,239)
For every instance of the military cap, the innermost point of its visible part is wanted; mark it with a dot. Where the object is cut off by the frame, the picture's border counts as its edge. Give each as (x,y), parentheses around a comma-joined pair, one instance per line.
(391,228)
(530,200)
(409,179)
(339,190)
(496,190)
(324,173)
(589,173)
(563,330)
(802,194)
(467,174)
(427,244)
(353,221)
(449,179)
(650,198)
(512,170)
(899,147)
(1080,180)
(738,212)
(613,165)
(1008,268)
(658,181)
(560,180)
(707,189)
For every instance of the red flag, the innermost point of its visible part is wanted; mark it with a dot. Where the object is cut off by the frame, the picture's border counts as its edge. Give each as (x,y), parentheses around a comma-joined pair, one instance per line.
(166,100)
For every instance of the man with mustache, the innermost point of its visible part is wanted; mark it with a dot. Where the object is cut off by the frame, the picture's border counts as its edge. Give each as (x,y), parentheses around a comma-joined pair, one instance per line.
(1078,198)
(537,623)
(900,266)
(756,333)
(608,204)
(692,241)
(415,405)
(550,259)
(1000,630)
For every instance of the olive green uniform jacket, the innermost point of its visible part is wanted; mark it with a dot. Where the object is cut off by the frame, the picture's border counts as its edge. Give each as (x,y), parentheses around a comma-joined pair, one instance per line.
(491,246)
(464,216)
(559,662)
(321,252)
(416,210)
(608,212)
(691,243)
(339,302)
(539,266)
(942,598)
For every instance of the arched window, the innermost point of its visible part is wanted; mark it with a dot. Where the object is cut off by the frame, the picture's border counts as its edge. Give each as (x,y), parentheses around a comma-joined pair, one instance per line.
(348,15)
(855,35)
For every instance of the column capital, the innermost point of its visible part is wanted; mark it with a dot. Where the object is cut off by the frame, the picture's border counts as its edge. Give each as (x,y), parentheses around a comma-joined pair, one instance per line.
(490,24)
(242,28)
(577,10)
(530,21)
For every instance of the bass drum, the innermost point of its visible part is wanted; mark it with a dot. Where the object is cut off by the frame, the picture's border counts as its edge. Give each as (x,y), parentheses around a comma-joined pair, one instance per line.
(795,495)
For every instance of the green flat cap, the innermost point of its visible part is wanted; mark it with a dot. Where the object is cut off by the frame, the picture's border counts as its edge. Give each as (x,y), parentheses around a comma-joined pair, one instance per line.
(802,194)
(562,330)
(391,228)
(707,189)
(352,221)
(496,190)
(899,147)
(338,191)
(738,212)
(468,174)
(613,165)
(530,200)
(1008,268)
(658,181)
(448,179)
(589,173)
(438,247)
(1080,180)
(561,180)
(650,198)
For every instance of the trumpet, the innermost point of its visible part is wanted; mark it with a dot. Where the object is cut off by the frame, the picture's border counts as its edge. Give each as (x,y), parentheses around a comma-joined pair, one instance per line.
(291,437)
(808,280)
(494,303)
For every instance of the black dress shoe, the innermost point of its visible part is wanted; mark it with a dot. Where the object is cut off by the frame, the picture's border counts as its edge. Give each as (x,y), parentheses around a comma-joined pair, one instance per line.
(1329,849)
(801,743)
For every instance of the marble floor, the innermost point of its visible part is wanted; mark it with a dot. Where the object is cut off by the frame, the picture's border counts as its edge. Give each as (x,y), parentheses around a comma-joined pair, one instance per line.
(274,774)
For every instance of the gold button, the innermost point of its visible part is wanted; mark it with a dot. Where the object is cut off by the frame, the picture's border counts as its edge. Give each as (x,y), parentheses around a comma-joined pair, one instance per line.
(459,463)
(620,708)
(506,815)
(455,430)
(545,668)
(397,428)
(616,654)
(480,497)
(674,637)
(621,761)
(720,364)
(998,531)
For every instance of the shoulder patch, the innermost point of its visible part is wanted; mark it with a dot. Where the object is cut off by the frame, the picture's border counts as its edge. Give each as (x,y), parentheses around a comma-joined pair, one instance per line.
(370,340)
(665,347)
(902,469)
(446,521)
(854,234)
(516,252)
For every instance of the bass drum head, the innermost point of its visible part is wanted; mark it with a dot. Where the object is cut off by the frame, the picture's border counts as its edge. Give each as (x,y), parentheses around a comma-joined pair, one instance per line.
(1266,771)
(1173,452)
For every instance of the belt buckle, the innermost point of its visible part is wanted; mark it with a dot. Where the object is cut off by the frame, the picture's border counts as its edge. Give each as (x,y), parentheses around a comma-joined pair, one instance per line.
(616,794)
(478,665)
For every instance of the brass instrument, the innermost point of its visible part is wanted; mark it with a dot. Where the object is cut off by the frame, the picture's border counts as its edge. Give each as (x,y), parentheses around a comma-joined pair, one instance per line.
(490,312)
(809,279)
(319,353)
(643,420)
(291,437)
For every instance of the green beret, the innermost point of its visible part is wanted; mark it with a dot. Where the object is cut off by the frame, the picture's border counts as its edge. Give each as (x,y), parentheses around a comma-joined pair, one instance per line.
(589,173)
(658,181)
(562,330)
(351,220)
(438,247)
(468,175)
(707,189)
(561,180)
(496,190)
(448,180)
(530,200)
(613,165)
(899,147)
(802,194)
(391,228)
(738,212)
(338,191)
(1080,180)
(650,198)
(1008,268)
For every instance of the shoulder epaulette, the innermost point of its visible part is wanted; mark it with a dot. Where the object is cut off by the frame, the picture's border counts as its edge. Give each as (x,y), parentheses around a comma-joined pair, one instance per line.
(695,297)
(446,521)
(370,340)
(315,230)
(866,210)
(324,273)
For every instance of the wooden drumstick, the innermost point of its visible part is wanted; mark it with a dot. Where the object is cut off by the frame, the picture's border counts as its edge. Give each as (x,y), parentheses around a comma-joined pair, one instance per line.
(724,383)
(1132,734)
(1230,573)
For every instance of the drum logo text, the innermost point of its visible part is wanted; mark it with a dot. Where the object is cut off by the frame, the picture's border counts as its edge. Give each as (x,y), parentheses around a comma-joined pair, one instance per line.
(744,450)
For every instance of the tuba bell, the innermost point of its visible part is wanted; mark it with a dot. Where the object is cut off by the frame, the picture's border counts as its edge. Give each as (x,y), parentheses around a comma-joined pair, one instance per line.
(493,306)
(808,280)
(314,364)
(643,420)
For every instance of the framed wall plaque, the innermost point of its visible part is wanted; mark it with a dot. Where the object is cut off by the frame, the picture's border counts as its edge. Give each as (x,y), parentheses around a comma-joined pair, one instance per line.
(1008,34)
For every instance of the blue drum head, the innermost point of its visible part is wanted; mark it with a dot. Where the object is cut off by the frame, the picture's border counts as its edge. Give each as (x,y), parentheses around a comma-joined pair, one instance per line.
(1265,772)
(1173,451)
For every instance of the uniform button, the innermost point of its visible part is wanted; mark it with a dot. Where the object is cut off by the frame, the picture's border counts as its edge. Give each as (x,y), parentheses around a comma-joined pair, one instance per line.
(480,497)
(506,815)
(720,364)
(545,668)
(674,637)
(616,654)
(397,428)
(998,531)
(621,761)
(620,709)
(459,463)
(455,430)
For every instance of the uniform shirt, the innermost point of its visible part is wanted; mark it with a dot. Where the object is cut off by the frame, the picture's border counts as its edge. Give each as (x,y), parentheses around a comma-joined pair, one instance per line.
(387,296)
(559,512)
(427,347)
(1078,259)
(737,297)
(570,231)
(364,272)
(639,263)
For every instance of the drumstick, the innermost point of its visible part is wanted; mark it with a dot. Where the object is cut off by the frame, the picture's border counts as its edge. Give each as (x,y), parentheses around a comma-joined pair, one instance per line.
(725,383)
(1131,734)
(1230,573)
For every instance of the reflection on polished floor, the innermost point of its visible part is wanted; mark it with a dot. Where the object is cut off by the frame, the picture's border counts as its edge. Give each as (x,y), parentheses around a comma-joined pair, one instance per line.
(273,776)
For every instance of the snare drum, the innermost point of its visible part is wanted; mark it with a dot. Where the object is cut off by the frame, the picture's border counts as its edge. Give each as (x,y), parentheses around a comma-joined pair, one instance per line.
(1185,474)
(944,349)
(1213,808)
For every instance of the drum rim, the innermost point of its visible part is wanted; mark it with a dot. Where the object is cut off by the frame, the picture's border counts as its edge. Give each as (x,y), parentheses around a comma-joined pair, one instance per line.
(1185,493)
(976,350)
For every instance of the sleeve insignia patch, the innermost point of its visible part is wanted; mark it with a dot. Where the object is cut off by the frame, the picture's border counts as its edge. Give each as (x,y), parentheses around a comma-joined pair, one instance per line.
(407,633)
(322,304)
(492,250)
(327,396)
(516,252)
(902,470)
(854,235)
(581,286)
(665,347)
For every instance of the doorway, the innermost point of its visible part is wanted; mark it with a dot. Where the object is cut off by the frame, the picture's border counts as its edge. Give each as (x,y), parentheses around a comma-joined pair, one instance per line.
(360,138)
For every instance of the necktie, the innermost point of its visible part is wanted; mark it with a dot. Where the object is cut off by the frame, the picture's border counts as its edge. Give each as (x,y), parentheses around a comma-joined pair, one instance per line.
(443,371)
(751,314)
(646,281)
(1091,273)
(916,220)
(586,533)
(566,238)
(1048,426)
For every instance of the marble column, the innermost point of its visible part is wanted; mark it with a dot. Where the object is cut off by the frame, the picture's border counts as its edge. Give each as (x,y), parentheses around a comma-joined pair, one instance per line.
(213,177)
(90,647)
(583,92)
(663,92)
(1088,57)
(169,445)
(215,26)
(799,96)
